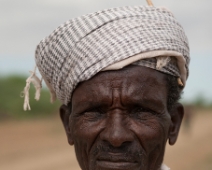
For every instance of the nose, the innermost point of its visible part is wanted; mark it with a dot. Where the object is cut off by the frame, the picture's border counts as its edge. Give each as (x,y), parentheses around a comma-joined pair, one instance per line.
(117,131)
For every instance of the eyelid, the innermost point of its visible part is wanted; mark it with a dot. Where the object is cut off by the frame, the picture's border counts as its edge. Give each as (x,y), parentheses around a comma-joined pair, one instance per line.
(143,109)
(95,109)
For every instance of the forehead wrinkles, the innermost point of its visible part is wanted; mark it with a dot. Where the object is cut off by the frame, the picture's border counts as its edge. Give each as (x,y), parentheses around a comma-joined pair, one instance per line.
(112,87)
(132,82)
(118,86)
(104,88)
(110,79)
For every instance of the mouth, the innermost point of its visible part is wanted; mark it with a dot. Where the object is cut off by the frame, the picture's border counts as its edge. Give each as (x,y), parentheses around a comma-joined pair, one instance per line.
(116,163)
(109,165)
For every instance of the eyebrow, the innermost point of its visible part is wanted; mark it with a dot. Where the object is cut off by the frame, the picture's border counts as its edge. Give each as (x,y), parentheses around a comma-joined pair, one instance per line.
(153,104)
(149,101)
(84,105)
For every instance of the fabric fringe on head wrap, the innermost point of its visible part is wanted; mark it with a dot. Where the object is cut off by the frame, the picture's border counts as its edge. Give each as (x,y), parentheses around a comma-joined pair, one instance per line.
(37,84)
(51,90)
(163,61)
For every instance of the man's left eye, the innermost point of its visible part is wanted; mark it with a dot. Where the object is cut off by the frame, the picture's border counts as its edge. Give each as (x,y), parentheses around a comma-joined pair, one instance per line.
(143,112)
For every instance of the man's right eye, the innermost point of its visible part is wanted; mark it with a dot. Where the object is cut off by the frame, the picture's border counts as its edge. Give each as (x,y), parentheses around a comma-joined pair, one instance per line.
(93,113)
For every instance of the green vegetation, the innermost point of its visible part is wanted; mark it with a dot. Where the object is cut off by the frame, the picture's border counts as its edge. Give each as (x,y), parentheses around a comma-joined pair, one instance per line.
(199,102)
(11,103)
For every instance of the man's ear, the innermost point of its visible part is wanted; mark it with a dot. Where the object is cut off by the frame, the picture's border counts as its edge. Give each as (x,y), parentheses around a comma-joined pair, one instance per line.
(64,115)
(177,114)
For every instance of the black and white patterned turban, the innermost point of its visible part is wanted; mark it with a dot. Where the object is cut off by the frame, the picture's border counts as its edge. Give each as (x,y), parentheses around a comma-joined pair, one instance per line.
(111,39)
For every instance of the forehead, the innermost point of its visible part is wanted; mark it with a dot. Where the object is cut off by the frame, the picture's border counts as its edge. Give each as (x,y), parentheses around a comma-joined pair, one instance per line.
(132,82)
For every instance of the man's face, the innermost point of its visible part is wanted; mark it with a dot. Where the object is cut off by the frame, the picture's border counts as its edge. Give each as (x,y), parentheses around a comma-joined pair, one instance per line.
(119,120)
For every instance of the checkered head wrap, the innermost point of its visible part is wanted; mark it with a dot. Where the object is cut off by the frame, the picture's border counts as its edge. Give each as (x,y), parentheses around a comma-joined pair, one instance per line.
(111,39)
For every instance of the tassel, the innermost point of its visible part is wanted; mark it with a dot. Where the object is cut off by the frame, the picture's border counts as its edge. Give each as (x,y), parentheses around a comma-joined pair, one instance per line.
(37,84)
(26,96)
(162,61)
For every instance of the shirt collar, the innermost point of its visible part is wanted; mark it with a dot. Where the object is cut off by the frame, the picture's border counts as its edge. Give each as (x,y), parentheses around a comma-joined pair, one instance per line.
(164,167)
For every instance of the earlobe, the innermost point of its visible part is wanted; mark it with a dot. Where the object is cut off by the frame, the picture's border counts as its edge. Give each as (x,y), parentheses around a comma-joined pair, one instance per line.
(64,115)
(176,119)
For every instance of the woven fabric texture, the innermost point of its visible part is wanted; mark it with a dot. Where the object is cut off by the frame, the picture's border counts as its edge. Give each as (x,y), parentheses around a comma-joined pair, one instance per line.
(81,47)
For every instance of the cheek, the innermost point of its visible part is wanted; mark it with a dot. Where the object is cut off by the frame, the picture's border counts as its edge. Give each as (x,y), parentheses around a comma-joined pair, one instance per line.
(151,133)
(85,133)
(86,130)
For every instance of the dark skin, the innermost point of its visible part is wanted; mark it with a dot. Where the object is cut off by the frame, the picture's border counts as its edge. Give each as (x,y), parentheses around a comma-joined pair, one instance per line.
(118,120)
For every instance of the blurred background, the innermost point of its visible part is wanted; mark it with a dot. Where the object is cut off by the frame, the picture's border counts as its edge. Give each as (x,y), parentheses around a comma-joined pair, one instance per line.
(35,140)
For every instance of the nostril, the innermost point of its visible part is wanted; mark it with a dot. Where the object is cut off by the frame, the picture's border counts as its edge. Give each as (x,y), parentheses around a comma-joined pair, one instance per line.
(126,143)
(123,146)
(119,143)
(120,149)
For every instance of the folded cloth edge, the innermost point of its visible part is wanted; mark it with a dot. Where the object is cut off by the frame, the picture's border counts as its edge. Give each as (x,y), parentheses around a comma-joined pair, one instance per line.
(181,62)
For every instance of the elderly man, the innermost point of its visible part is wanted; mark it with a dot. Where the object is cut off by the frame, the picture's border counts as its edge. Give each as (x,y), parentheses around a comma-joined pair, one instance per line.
(119,74)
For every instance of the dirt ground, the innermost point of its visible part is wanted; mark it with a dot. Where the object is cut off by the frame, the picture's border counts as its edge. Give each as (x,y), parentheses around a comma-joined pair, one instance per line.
(42,145)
